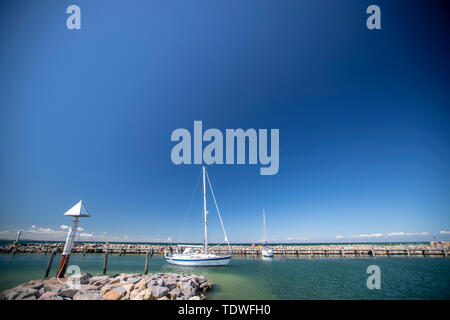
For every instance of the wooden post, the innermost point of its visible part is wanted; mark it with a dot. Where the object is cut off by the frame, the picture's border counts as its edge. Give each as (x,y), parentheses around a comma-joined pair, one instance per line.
(284,252)
(49,265)
(105,261)
(146,262)
(445,253)
(408,253)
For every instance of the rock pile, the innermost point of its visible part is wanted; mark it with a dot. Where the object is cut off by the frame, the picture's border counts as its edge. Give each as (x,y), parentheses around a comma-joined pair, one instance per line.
(158,286)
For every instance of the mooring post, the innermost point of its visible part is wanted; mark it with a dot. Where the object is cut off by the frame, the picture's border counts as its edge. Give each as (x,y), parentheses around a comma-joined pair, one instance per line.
(50,261)
(146,262)
(408,253)
(284,252)
(105,261)
(445,253)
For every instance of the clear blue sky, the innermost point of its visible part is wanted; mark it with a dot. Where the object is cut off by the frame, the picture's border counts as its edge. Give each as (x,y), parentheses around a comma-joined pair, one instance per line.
(363,118)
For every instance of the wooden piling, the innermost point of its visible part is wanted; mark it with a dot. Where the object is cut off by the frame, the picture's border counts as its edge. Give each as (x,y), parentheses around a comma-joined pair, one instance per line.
(146,262)
(49,265)
(105,261)
(445,253)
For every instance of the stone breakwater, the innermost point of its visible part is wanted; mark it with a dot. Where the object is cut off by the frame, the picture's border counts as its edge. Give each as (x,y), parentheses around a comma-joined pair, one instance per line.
(159,286)
(432,249)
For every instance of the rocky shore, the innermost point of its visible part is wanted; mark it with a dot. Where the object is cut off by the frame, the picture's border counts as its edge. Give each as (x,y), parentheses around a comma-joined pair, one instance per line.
(158,286)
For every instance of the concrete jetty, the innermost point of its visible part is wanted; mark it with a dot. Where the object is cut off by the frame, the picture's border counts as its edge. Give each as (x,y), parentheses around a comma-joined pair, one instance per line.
(330,250)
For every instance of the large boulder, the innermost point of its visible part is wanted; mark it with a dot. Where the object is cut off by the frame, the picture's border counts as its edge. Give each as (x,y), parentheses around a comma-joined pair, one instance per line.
(108,287)
(53,287)
(11,295)
(49,295)
(159,291)
(133,280)
(68,292)
(79,278)
(120,290)
(99,280)
(175,293)
(88,295)
(112,295)
(27,294)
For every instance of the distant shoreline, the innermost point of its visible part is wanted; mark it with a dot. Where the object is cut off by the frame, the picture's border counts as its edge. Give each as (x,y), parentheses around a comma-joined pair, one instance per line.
(25,241)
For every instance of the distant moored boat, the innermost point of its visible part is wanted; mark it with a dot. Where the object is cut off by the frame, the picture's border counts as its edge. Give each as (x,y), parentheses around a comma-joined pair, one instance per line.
(266,251)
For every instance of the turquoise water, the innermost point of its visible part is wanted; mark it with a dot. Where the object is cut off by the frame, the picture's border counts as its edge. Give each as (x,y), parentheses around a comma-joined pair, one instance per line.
(277,278)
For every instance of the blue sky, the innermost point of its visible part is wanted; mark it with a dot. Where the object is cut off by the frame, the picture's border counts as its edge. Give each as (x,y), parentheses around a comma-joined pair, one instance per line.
(363,118)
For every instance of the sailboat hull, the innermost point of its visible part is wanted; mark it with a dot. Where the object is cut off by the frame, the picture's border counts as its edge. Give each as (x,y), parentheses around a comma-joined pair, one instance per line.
(193,261)
(267,252)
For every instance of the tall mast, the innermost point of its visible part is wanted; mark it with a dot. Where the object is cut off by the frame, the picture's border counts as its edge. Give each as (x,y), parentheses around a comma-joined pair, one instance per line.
(264,224)
(204,210)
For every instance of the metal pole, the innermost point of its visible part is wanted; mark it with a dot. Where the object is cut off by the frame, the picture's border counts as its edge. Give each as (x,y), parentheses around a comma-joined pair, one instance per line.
(204,210)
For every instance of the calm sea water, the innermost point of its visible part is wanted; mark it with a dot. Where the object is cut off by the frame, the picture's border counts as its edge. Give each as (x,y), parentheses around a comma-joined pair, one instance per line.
(274,278)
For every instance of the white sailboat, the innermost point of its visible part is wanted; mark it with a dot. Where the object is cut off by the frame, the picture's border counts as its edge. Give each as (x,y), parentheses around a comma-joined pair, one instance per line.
(198,256)
(266,251)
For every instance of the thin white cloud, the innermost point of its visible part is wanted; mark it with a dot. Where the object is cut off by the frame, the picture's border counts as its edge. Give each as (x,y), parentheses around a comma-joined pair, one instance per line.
(64,227)
(296,239)
(401,234)
(87,235)
(372,235)
(444,232)
(80,229)
(339,237)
